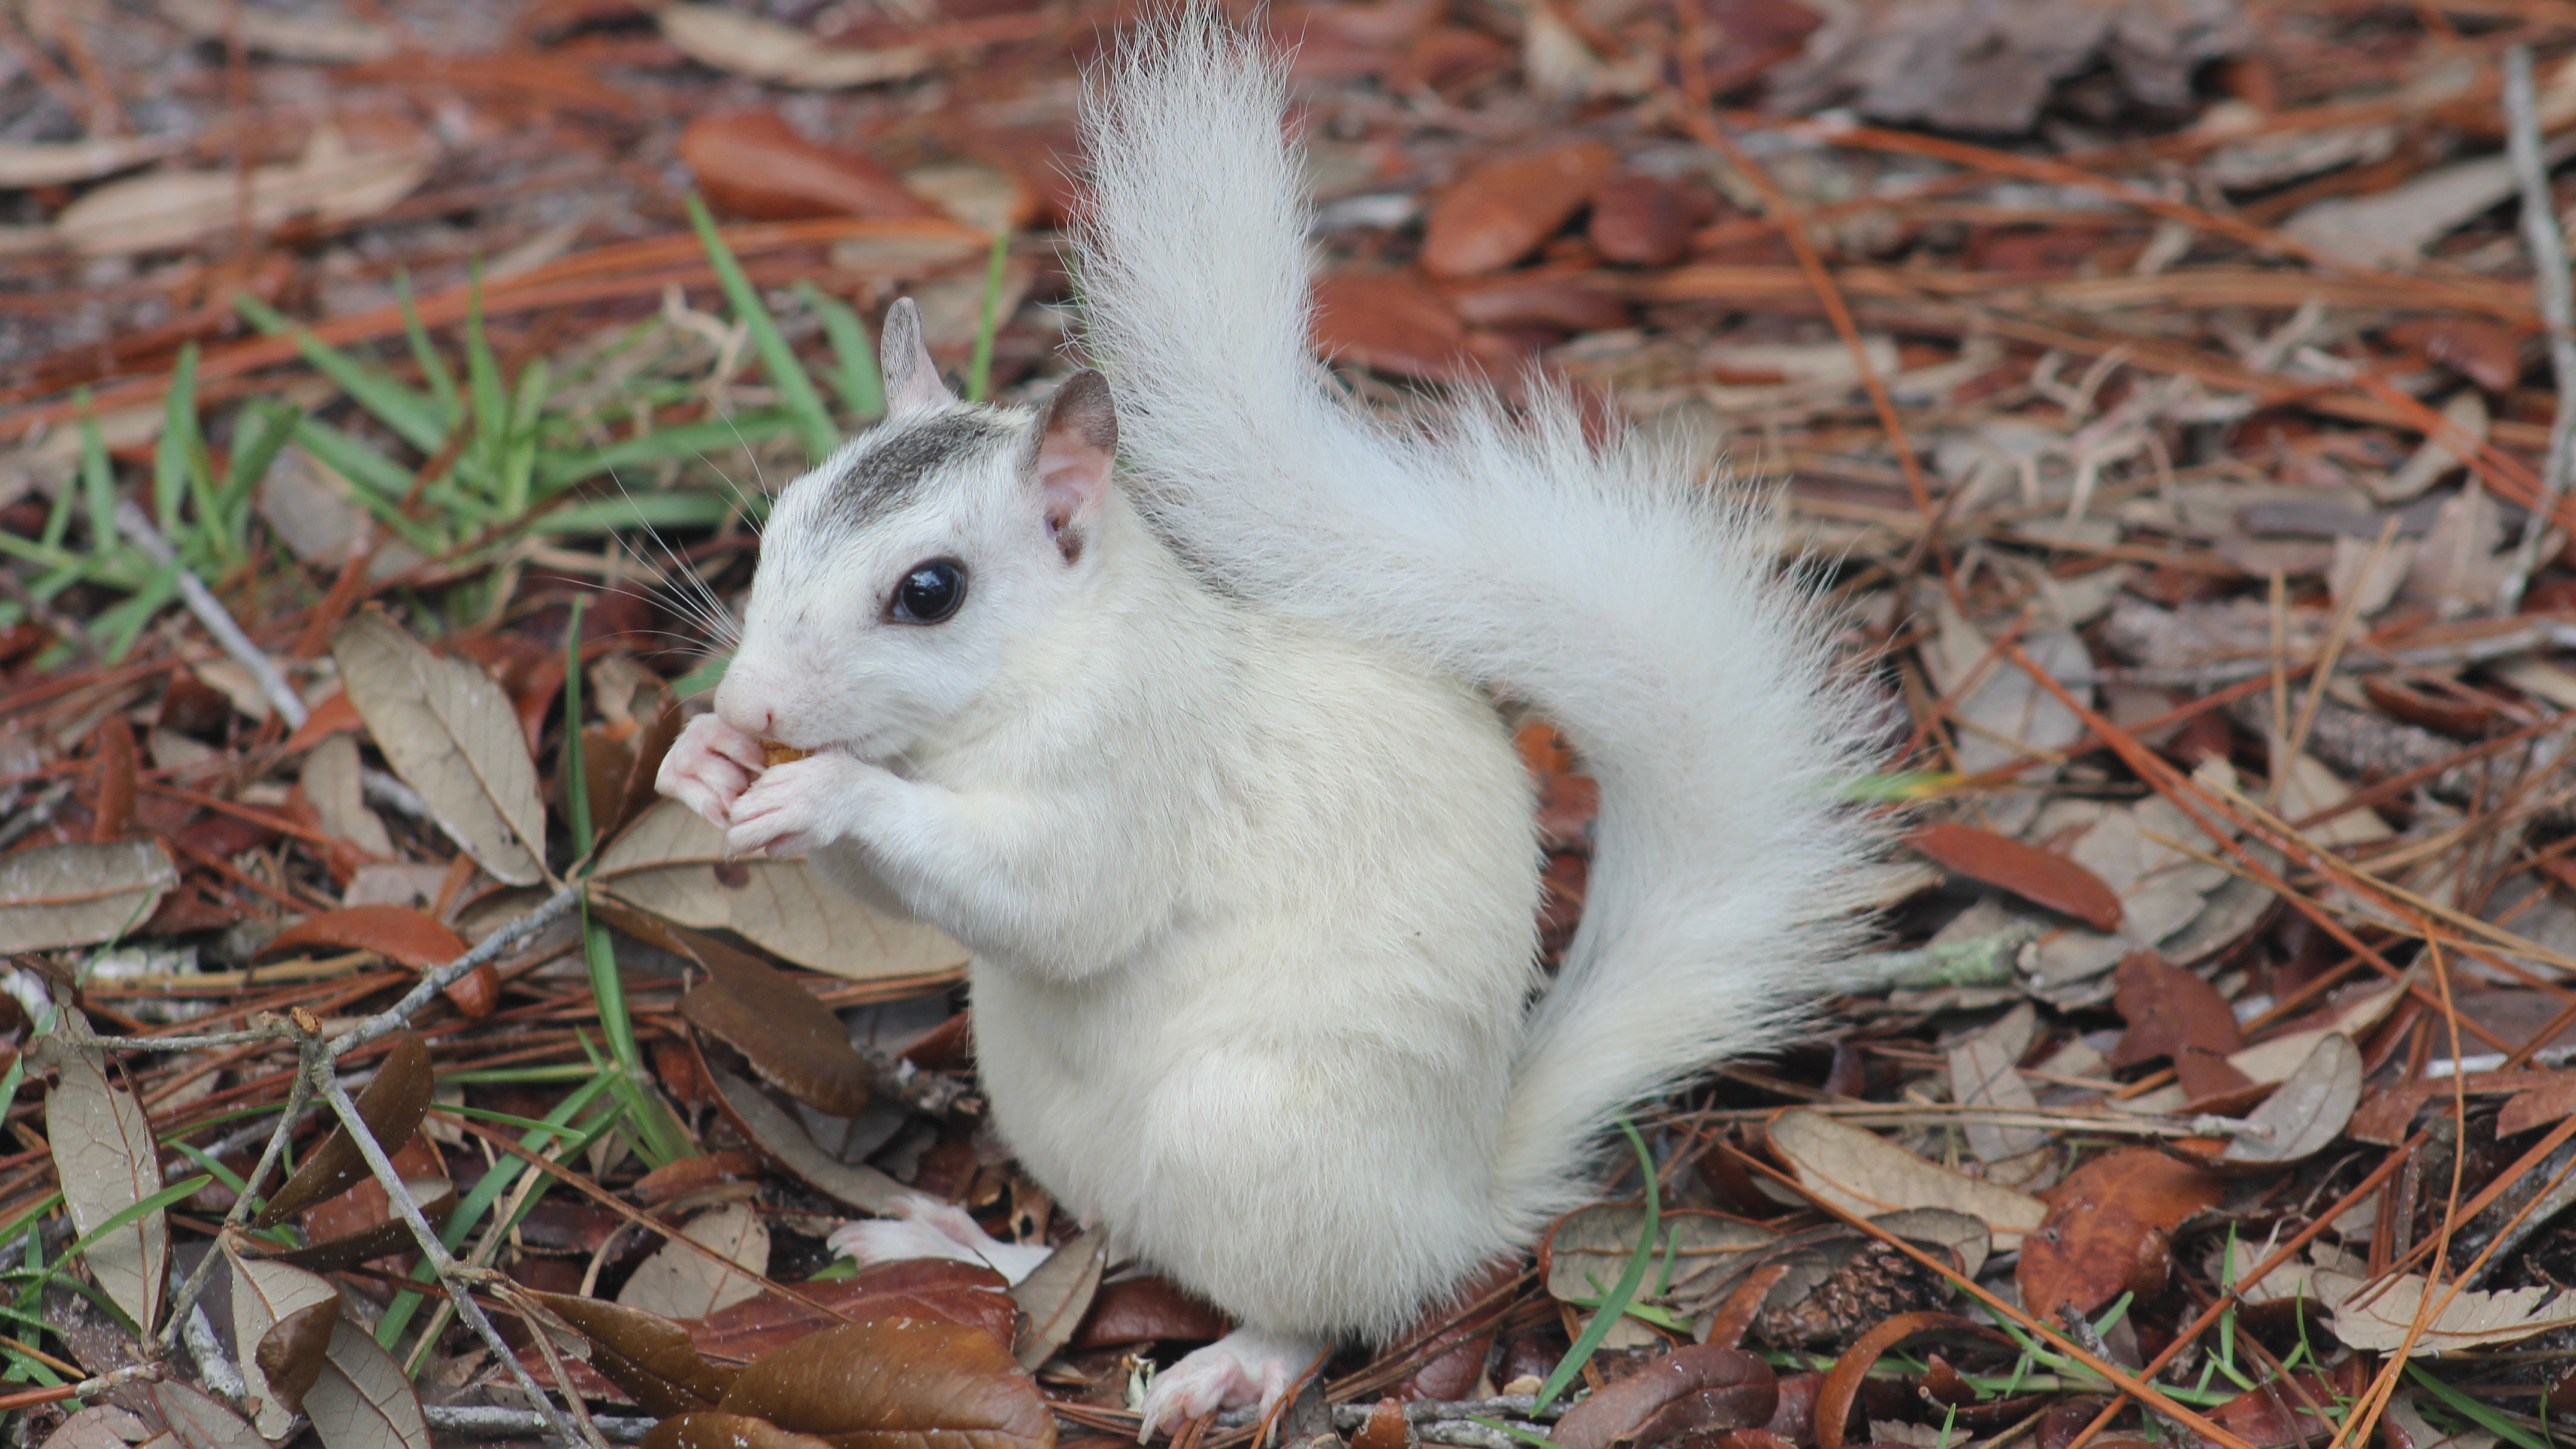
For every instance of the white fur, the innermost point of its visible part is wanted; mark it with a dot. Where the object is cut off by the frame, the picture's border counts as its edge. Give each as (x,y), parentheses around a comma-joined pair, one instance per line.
(1242,849)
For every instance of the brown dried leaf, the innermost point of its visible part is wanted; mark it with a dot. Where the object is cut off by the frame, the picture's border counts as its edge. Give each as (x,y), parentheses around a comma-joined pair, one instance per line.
(1056,1296)
(107,1161)
(2169,1009)
(437,1198)
(898,1384)
(451,734)
(1500,211)
(397,933)
(52,896)
(680,1282)
(1646,222)
(766,50)
(114,763)
(2377,1318)
(1862,1173)
(793,1041)
(264,1293)
(361,1400)
(647,1355)
(1143,1309)
(60,163)
(2538,1108)
(781,1137)
(2107,1230)
(1699,1387)
(291,1354)
(752,163)
(2035,875)
(2485,353)
(937,1290)
(391,1106)
(198,1422)
(2309,1110)
(727,1431)
(672,863)
(1391,321)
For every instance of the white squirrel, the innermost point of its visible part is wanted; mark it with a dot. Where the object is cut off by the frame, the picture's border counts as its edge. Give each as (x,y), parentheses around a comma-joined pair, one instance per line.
(1201,758)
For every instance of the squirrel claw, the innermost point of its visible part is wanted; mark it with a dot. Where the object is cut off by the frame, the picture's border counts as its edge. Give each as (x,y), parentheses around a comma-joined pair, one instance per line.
(708,768)
(1246,1366)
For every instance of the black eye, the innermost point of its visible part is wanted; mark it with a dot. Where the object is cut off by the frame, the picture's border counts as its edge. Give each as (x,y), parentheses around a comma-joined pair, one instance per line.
(930,593)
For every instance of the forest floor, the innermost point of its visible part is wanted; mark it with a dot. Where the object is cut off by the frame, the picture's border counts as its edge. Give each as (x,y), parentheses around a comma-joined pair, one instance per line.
(2170,392)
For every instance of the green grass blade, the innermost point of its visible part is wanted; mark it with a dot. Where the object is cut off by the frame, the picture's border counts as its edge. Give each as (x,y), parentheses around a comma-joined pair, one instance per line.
(414,418)
(123,623)
(98,480)
(270,426)
(576,778)
(777,359)
(170,460)
(686,440)
(854,375)
(442,380)
(2475,1412)
(979,371)
(123,1217)
(1615,1304)
(656,1136)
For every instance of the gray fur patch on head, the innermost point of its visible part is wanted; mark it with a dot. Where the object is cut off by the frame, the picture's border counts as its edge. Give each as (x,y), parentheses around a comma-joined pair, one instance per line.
(884,479)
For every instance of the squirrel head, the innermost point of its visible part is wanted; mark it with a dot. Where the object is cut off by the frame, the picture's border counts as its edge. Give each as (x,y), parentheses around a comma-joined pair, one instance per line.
(895,579)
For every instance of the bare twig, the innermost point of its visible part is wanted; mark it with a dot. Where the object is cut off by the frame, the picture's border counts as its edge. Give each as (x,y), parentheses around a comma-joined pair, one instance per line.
(451,1274)
(494,946)
(299,1092)
(211,612)
(2551,289)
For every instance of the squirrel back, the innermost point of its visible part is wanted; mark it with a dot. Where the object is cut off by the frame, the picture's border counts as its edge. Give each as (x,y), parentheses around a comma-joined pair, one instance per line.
(1605,587)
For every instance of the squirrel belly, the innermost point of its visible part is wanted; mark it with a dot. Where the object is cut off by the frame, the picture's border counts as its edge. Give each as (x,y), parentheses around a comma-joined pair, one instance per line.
(1287,1092)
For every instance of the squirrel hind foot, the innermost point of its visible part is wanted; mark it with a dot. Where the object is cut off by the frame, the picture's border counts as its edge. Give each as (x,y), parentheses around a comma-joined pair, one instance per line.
(1243,1368)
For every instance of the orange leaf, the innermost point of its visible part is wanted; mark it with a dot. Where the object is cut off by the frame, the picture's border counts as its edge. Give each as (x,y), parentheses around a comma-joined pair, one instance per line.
(2027,871)
(1501,211)
(2106,1230)
(752,163)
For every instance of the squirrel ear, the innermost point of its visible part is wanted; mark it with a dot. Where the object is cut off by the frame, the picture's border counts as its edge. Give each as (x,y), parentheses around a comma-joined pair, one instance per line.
(911,378)
(1077,438)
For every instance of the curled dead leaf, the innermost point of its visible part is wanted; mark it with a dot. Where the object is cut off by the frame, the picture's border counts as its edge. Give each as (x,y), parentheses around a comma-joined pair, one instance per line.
(295,1348)
(391,1106)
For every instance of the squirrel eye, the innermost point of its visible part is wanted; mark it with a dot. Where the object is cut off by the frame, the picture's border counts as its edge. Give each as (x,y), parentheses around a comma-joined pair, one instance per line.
(930,592)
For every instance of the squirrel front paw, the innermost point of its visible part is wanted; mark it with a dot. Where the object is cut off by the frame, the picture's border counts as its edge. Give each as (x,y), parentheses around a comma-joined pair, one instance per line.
(795,807)
(708,767)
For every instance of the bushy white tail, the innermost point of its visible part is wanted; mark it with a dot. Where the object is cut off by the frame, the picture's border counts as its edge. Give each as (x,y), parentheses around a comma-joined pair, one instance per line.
(1605,587)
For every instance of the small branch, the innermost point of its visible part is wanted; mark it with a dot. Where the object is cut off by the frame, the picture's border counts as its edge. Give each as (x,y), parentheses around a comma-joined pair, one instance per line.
(213,1366)
(275,1031)
(2551,289)
(450,1274)
(494,946)
(493,1423)
(210,611)
(298,1093)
